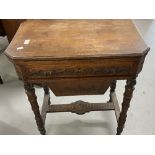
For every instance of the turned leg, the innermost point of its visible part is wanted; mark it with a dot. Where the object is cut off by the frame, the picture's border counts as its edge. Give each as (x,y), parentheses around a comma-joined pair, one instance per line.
(1,81)
(30,91)
(46,91)
(112,89)
(129,88)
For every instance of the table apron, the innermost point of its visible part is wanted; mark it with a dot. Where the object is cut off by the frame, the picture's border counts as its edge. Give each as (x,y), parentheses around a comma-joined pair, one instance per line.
(78,68)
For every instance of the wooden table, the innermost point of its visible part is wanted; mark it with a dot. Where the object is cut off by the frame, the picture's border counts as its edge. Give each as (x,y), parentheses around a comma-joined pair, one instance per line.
(78,57)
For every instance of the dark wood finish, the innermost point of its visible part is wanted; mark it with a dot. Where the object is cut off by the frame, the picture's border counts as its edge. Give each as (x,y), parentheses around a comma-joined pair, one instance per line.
(79,86)
(2,31)
(78,107)
(1,81)
(10,27)
(96,67)
(76,39)
(81,107)
(35,107)
(129,88)
(78,57)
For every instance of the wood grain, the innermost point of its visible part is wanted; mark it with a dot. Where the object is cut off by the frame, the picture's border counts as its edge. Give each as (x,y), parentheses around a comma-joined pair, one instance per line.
(30,91)
(81,107)
(76,39)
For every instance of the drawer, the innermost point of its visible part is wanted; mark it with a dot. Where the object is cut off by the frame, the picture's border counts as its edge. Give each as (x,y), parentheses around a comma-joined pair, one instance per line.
(79,68)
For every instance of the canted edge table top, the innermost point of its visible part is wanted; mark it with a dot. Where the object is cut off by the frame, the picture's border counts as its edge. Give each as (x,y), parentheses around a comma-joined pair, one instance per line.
(44,39)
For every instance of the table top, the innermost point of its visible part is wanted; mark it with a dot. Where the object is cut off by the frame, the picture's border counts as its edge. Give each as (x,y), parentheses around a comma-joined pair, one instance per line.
(43,39)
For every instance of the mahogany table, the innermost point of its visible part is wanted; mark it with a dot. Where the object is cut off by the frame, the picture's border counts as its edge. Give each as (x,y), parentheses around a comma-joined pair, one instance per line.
(77,57)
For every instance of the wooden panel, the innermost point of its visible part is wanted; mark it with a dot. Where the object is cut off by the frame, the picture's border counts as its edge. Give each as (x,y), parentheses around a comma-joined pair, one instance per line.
(11,26)
(80,86)
(79,68)
(2,31)
(80,107)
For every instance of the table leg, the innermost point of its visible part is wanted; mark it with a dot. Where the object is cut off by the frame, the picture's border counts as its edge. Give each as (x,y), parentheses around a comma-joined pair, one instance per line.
(46,90)
(30,91)
(112,89)
(129,88)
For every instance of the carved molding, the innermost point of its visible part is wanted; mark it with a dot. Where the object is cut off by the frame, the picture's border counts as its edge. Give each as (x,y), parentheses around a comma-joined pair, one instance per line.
(81,107)
(81,71)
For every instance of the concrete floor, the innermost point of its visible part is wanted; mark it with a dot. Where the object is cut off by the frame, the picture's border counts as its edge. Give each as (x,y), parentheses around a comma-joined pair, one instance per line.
(16,117)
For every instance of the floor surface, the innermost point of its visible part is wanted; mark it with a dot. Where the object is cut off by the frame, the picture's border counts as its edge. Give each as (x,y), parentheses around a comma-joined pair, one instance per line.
(16,117)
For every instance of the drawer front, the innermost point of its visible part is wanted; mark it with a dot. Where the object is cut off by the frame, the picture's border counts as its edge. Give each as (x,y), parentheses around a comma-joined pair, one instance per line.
(79,68)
